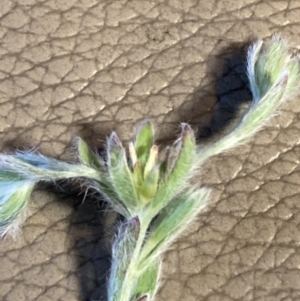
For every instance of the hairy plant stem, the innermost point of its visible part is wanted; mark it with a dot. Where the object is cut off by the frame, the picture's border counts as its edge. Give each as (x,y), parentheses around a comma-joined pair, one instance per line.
(132,273)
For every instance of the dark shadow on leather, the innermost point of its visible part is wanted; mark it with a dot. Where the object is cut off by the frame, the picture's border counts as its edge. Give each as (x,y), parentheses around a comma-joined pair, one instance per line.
(16,144)
(232,94)
(92,134)
(216,103)
(213,105)
(91,229)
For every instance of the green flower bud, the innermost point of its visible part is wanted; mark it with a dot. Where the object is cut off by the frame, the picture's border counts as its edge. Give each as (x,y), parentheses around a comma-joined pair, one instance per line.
(149,187)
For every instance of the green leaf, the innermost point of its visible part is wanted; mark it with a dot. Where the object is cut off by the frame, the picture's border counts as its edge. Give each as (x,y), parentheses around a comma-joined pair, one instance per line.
(271,60)
(143,142)
(88,157)
(8,176)
(37,167)
(147,284)
(180,173)
(14,198)
(122,252)
(120,175)
(274,59)
(268,63)
(170,223)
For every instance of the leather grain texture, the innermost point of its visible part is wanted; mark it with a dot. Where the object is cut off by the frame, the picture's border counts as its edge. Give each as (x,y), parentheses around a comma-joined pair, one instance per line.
(86,67)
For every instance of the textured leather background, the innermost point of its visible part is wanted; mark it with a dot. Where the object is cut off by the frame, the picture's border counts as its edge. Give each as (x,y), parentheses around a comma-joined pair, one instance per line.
(70,67)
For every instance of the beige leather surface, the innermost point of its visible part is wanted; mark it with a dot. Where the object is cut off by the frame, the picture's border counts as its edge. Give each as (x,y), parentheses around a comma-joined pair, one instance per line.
(70,67)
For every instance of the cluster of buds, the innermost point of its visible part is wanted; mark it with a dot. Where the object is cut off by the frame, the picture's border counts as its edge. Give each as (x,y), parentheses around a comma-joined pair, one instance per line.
(147,179)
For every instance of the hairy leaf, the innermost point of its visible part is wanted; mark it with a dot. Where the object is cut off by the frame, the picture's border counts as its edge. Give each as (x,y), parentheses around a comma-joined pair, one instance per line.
(183,166)
(120,175)
(172,220)
(88,157)
(147,284)
(14,197)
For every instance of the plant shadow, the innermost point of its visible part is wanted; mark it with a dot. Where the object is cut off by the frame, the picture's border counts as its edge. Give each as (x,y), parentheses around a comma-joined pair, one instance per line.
(214,107)
(228,94)
(232,93)
(91,232)
(92,225)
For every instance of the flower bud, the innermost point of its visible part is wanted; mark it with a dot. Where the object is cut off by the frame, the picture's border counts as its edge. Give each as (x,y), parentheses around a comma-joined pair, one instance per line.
(149,187)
